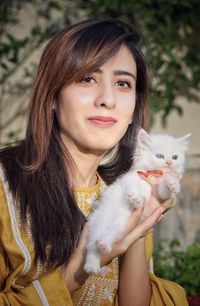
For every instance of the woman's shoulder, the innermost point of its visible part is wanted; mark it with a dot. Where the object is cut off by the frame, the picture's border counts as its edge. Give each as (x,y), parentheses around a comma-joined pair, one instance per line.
(2,179)
(8,158)
(9,153)
(8,174)
(9,163)
(3,196)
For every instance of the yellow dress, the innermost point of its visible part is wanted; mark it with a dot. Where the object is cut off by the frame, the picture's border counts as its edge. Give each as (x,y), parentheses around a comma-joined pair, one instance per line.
(22,283)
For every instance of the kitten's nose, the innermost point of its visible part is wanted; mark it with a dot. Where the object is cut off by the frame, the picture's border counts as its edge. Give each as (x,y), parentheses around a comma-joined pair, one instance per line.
(168,162)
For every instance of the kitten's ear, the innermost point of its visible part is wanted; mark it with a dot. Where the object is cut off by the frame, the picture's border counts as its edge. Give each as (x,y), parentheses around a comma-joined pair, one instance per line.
(184,141)
(144,140)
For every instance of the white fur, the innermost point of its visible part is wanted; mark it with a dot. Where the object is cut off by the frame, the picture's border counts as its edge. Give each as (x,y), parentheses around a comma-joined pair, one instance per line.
(130,191)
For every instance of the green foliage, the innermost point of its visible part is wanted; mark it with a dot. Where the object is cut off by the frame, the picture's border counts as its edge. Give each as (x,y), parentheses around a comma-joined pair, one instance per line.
(16,49)
(170,33)
(178,265)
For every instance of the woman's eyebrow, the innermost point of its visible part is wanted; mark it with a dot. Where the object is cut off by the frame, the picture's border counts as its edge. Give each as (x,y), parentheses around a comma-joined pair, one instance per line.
(124,72)
(118,72)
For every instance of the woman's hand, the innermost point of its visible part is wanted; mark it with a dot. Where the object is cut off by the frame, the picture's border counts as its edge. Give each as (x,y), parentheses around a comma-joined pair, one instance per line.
(74,273)
(134,230)
(134,272)
(154,202)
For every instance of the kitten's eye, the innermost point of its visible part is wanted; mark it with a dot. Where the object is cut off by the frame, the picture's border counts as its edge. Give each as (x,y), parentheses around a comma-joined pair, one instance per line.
(175,157)
(159,155)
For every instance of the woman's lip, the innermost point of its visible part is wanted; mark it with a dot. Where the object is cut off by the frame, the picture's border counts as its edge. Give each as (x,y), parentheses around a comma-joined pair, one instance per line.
(102,120)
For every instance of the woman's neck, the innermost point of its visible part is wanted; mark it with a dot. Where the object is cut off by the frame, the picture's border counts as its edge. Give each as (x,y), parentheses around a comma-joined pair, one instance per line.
(84,174)
(84,168)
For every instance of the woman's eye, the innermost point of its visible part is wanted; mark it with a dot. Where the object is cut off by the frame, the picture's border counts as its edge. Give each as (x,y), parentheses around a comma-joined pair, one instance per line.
(159,155)
(175,157)
(124,84)
(87,79)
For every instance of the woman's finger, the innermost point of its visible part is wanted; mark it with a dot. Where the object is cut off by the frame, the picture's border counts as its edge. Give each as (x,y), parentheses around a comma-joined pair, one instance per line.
(153,181)
(169,204)
(145,226)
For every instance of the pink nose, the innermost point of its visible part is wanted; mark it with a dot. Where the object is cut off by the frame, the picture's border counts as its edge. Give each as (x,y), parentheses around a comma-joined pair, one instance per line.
(169,162)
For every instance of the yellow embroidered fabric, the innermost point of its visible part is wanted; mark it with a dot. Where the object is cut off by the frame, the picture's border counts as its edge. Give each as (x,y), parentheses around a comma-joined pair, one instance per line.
(18,285)
(23,284)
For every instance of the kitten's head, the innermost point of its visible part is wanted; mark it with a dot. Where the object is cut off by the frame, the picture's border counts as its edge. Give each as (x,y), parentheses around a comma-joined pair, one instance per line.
(160,152)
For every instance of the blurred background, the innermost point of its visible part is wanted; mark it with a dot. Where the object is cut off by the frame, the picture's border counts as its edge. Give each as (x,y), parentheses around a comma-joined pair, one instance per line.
(170,38)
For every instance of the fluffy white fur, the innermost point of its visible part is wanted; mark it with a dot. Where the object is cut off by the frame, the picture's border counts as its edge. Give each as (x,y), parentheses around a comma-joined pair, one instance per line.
(153,152)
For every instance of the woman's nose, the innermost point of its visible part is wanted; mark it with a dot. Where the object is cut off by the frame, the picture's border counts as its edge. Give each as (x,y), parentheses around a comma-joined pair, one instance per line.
(106,96)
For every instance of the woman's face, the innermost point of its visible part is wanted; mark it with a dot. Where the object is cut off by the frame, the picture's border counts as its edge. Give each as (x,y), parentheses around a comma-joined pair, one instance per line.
(94,113)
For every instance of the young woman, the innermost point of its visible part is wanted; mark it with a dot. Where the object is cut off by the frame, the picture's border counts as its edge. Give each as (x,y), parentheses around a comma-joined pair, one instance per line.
(89,96)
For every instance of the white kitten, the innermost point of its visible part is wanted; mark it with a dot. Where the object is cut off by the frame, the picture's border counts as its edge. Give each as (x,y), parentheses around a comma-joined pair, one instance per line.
(153,152)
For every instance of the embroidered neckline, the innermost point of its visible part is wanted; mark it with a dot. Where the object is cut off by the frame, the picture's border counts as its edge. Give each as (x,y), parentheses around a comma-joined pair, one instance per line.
(86,196)
(90,188)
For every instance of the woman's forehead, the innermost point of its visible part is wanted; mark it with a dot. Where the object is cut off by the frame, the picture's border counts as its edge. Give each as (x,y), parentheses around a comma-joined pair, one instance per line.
(118,57)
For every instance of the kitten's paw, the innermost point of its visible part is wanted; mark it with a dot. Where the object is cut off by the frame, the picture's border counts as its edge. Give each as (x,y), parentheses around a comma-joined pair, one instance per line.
(89,268)
(173,184)
(92,264)
(104,247)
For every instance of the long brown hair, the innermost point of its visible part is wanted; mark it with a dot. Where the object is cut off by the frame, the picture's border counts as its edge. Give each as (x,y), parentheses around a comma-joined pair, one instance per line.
(36,168)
